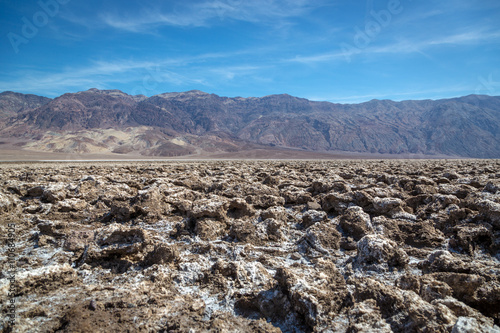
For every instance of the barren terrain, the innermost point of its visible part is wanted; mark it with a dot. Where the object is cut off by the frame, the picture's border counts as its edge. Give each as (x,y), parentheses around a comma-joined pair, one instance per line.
(251,246)
(111,122)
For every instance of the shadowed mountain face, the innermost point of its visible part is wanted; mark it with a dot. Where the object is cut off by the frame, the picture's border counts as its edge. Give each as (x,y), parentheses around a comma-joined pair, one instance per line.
(84,110)
(466,126)
(13,104)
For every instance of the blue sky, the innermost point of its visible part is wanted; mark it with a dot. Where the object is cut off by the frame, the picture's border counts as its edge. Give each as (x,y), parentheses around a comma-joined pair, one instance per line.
(339,51)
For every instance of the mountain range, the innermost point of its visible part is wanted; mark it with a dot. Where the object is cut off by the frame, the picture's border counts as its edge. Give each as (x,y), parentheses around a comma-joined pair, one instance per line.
(195,122)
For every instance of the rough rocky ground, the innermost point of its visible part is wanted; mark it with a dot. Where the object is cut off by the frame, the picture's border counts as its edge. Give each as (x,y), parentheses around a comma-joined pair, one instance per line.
(344,246)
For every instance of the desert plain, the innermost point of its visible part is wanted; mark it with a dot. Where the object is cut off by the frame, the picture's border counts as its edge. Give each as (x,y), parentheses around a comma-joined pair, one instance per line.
(250,246)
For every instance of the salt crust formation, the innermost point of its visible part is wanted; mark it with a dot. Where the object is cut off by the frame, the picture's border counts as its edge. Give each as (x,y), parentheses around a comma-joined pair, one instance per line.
(263,246)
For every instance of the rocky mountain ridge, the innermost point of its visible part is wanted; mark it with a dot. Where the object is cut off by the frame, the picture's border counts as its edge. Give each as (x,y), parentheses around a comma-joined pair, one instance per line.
(196,121)
(12,104)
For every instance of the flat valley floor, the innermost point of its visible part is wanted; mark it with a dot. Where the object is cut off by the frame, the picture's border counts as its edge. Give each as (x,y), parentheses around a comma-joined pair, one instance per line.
(250,246)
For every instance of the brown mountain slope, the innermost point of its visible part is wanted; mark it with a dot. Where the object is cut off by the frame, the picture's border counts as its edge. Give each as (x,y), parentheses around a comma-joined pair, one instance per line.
(12,104)
(466,126)
(84,110)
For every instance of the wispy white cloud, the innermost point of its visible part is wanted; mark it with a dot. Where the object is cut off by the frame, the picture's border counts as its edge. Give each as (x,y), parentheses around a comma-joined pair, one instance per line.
(98,74)
(472,37)
(458,39)
(144,76)
(232,72)
(324,57)
(205,13)
(404,46)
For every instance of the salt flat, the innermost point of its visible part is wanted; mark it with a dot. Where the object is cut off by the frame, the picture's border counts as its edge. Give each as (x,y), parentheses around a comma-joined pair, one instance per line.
(293,246)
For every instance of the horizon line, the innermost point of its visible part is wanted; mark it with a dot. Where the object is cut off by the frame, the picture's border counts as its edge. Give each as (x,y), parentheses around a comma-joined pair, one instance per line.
(319,100)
